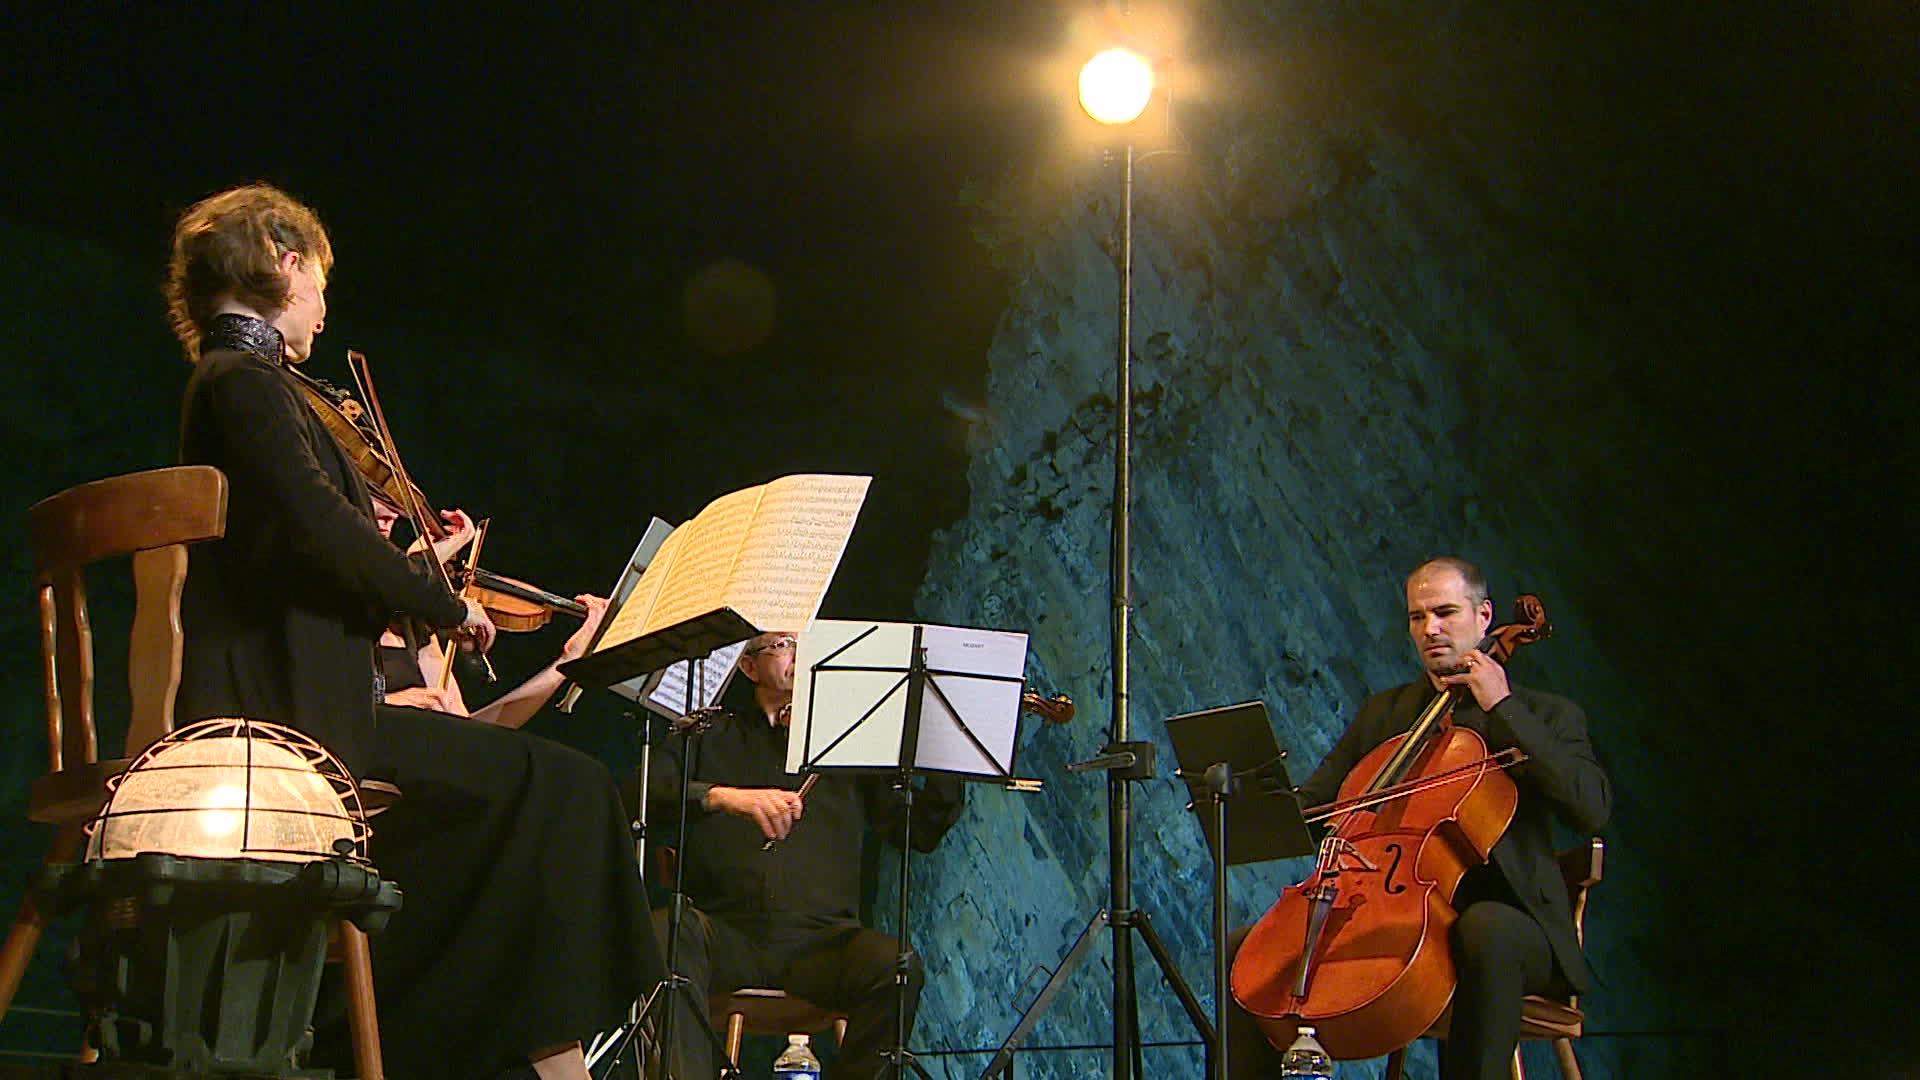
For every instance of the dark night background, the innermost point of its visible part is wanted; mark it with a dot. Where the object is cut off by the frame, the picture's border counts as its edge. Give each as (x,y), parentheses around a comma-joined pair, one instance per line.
(616,263)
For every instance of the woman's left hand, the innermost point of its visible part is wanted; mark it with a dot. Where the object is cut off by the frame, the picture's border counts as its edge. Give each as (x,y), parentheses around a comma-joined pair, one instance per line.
(577,642)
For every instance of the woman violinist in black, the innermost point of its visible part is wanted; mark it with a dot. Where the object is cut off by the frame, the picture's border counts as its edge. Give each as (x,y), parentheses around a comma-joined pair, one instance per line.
(524,923)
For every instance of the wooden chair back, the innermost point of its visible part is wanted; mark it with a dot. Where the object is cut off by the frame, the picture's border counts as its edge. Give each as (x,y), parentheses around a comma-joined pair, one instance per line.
(1581,868)
(151,516)
(1542,1018)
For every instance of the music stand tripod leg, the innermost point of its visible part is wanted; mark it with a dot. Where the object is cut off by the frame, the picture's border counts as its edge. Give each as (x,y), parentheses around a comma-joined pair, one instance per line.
(668,993)
(1002,1063)
(899,1058)
(622,1038)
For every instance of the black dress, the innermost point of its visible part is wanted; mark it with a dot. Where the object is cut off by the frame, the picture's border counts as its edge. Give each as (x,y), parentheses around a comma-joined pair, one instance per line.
(523,920)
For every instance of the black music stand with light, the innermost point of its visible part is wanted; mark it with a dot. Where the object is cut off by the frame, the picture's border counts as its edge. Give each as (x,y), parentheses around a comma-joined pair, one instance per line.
(1217,750)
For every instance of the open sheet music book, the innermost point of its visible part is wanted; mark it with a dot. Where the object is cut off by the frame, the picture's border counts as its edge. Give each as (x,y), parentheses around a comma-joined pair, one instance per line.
(768,552)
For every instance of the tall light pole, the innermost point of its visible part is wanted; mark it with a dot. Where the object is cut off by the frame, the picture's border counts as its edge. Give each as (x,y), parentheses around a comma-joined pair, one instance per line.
(1115,88)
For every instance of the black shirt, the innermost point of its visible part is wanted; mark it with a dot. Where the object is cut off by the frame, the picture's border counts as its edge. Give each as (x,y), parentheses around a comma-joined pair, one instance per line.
(809,883)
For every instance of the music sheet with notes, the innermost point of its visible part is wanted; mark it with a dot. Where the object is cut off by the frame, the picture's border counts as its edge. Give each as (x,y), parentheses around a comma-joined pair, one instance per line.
(768,552)
(667,688)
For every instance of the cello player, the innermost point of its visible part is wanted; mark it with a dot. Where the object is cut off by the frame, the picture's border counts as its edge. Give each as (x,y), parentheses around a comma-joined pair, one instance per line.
(1515,935)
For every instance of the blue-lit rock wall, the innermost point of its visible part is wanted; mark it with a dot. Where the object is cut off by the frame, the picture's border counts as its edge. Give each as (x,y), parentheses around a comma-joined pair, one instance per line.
(1351,352)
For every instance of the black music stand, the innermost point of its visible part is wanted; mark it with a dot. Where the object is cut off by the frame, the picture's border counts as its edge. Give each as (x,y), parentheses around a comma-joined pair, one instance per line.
(1217,749)
(692,640)
(909,685)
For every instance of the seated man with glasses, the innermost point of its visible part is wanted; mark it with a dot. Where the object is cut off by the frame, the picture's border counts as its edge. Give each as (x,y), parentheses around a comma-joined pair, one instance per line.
(773,879)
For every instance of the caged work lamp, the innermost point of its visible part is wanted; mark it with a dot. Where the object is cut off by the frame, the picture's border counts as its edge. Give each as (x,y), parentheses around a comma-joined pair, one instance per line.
(210,880)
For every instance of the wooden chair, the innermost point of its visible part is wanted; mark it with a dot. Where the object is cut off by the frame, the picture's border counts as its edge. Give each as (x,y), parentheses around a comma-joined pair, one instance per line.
(758,1011)
(1543,1018)
(151,516)
(754,1010)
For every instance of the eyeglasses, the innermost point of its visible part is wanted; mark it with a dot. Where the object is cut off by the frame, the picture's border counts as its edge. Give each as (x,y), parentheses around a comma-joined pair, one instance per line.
(775,645)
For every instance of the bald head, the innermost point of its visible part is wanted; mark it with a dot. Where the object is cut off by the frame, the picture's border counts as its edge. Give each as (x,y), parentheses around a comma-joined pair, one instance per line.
(1471,578)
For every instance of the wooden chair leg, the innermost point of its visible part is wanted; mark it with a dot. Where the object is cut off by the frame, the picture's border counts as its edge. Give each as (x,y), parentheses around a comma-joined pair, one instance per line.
(1519,1067)
(24,938)
(363,1017)
(1569,1065)
(736,1034)
(1395,1061)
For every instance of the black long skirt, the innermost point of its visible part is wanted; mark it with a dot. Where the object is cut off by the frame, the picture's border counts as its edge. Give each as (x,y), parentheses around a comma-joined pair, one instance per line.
(524,924)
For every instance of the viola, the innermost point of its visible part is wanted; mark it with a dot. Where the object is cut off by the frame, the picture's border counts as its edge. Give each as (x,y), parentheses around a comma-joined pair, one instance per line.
(1360,949)
(351,427)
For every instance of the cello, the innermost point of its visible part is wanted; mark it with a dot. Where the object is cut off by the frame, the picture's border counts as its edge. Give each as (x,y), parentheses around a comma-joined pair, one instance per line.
(1359,950)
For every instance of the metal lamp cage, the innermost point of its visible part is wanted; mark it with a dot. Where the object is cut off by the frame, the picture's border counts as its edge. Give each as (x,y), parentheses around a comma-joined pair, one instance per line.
(233,788)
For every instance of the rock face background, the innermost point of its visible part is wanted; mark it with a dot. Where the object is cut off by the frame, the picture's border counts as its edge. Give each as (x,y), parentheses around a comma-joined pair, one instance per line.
(1401,317)
(1621,306)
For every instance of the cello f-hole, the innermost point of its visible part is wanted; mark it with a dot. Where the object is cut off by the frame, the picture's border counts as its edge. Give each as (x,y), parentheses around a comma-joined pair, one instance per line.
(1392,887)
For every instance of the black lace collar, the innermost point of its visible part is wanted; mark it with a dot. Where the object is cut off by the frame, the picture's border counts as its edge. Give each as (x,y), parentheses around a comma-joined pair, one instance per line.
(244,333)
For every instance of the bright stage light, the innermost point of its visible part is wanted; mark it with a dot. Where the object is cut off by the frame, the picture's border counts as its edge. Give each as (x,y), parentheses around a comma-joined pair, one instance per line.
(1116,85)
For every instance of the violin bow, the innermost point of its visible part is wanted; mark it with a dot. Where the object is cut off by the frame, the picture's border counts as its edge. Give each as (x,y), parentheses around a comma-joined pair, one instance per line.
(362,373)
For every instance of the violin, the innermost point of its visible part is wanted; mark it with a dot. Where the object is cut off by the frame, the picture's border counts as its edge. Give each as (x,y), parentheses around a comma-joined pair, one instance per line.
(1360,949)
(1054,709)
(512,604)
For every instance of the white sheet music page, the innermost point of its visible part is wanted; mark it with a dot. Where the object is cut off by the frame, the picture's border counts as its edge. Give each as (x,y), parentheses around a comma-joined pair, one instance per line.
(980,674)
(669,696)
(830,701)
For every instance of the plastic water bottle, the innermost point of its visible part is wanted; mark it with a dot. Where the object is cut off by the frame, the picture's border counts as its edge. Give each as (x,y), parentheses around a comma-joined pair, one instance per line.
(797,1062)
(1306,1058)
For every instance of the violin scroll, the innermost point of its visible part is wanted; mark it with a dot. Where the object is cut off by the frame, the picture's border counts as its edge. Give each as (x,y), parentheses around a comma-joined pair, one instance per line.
(1057,709)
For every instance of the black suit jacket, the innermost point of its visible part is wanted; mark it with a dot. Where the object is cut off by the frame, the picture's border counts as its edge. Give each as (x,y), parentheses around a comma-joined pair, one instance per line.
(281,616)
(1561,777)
